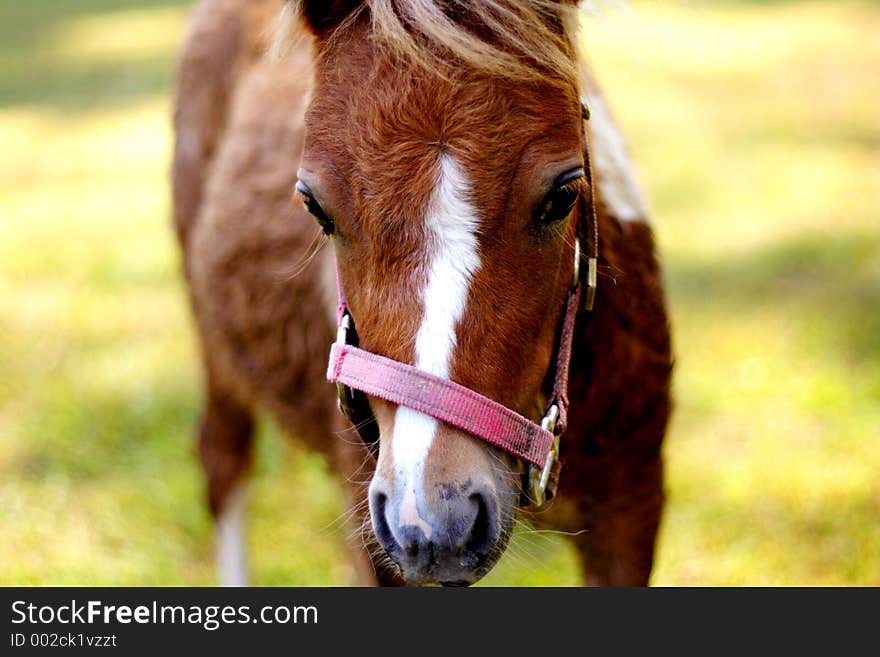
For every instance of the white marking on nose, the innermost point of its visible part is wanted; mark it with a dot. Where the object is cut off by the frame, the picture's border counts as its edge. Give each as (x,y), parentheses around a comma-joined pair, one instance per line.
(409,513)
(451,259)
(618,186)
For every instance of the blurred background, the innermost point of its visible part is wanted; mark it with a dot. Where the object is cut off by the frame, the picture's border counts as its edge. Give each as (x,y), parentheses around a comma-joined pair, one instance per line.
(755,127)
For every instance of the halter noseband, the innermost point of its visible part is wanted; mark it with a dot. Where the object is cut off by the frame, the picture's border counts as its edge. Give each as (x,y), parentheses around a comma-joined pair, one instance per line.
(358,373)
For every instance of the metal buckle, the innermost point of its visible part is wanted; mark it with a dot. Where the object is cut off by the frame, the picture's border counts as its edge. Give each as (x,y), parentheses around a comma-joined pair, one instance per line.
(343,329)
(576,279)
(590,292)
(539,478)
(342,392)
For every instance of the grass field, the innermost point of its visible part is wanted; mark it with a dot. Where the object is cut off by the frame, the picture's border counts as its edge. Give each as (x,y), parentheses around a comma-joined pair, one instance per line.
(755,125)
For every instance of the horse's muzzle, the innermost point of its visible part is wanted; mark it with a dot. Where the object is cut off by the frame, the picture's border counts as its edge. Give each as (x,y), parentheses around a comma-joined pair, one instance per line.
(447,539)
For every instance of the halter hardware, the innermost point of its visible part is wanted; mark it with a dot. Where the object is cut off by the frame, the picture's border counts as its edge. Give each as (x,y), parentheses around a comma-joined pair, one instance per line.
(590,295)
(353,403)
(343,392)
(539,478)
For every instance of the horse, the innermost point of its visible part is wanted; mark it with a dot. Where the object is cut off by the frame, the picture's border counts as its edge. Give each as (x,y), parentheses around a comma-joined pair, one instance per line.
(426,183)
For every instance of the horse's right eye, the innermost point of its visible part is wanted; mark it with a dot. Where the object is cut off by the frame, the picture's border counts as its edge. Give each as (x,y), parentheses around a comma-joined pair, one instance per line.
(560,201)
(314,208)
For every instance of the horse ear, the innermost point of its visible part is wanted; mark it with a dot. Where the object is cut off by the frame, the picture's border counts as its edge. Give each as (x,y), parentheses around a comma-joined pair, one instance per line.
(321,17)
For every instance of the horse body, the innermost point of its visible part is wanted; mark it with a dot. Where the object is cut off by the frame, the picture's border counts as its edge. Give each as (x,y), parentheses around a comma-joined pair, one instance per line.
(264,298)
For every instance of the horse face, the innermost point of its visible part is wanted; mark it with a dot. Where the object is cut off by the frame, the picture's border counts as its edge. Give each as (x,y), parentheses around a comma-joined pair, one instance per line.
(449,201)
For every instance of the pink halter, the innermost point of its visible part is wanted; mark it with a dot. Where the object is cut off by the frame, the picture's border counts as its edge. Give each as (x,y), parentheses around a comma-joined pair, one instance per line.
(358,373)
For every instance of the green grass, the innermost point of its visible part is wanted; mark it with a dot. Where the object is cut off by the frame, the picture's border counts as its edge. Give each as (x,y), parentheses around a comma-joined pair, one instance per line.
(755,129)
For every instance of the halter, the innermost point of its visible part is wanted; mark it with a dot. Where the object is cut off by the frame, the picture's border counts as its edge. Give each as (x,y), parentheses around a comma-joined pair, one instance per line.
(358,373)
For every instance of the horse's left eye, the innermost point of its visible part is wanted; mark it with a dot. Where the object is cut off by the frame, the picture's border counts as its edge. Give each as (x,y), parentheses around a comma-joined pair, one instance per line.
(315,209)
(559,202)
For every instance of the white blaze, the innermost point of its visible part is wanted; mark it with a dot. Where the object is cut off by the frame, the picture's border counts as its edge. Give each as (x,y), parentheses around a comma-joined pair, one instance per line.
(451,260)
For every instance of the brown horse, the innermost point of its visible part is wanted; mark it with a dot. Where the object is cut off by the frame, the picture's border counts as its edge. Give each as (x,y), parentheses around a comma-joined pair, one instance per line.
(439,147)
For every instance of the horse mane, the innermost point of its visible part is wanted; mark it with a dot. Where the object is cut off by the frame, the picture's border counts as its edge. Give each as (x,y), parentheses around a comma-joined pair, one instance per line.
(513,39)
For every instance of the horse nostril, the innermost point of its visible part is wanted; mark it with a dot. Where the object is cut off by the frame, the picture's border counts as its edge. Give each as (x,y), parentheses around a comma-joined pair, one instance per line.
(380,522)
(483,532)
(402,541)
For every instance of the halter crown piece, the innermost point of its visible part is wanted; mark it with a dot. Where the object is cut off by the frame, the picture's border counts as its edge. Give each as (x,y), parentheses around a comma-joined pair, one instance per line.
(358,373)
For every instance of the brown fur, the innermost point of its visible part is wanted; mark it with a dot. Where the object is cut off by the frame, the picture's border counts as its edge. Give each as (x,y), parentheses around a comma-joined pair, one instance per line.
(265,332)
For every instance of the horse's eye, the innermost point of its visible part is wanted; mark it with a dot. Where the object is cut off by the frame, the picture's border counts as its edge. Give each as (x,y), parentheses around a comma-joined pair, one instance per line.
(314,208)
(559,202)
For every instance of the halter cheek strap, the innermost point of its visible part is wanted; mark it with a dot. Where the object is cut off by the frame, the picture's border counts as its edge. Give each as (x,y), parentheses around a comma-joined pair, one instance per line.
(358,373)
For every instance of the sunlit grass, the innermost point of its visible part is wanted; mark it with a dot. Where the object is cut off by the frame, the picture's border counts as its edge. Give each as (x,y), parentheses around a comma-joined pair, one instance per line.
(135,33)
(754,125)
(755,128)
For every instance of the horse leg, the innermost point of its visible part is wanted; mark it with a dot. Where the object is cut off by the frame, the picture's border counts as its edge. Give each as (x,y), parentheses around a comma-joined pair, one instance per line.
(224,443)
(623,519)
